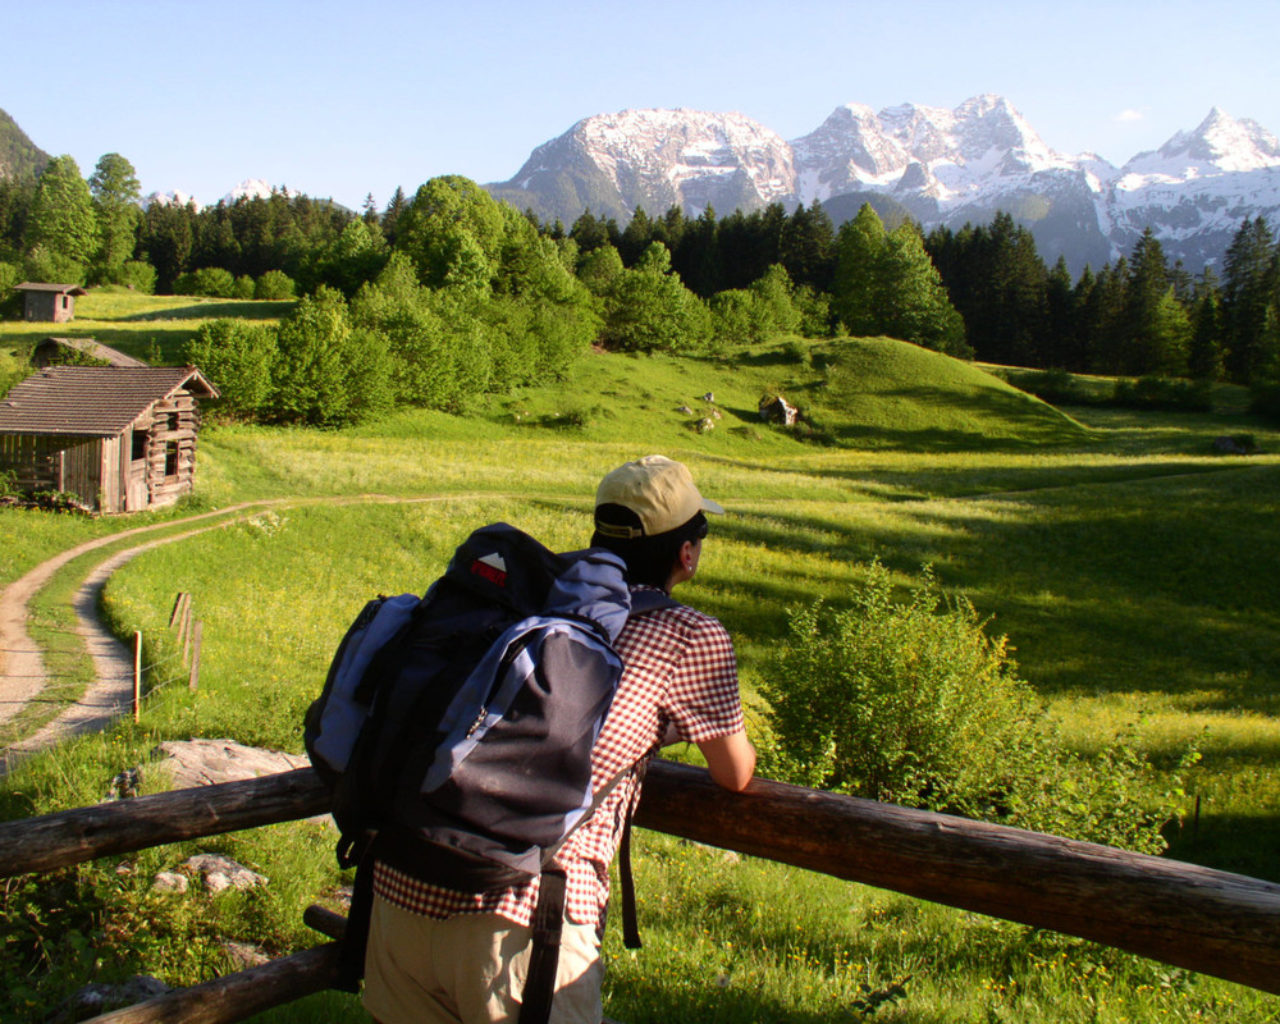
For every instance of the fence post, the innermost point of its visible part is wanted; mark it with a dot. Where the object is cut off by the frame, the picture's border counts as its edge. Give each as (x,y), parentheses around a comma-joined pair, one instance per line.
(177,608)
(184,631)
(137,674)
(194,679)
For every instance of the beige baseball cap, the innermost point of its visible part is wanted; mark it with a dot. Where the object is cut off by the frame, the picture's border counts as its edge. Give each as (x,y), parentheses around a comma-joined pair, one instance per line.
(660,491)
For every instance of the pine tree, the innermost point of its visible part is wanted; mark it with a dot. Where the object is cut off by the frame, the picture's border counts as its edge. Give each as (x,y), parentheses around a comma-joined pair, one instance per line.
(391,215)
(1060,348)
(859,273)
(806,247)
(914,305)
(1251,289)
(1154,327)
(1107,303)
(1204,359)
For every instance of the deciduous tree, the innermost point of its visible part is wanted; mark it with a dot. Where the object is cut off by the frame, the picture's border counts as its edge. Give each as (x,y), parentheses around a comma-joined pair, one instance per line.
(116,191)
(62,219)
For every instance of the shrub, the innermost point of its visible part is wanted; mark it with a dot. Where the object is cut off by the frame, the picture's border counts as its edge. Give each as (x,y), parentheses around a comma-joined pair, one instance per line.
(243,287)
(274,285)
(138,275)
(1058,387)
(1169,394)
(239,358)
(211,281)
(912,702)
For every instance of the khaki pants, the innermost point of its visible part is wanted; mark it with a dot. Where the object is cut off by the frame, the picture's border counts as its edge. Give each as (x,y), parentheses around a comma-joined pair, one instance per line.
(471,969)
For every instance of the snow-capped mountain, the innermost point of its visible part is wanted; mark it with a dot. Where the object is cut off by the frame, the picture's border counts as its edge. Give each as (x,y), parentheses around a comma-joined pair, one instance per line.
(656,159)
(250,188)
(940,166)
(1196,189)
(175,198)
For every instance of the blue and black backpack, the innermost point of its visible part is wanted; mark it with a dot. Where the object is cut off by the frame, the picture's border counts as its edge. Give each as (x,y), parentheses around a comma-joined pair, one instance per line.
(455,730)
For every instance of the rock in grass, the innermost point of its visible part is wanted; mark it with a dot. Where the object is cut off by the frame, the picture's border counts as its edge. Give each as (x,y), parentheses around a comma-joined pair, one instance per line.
(170,881)
(204,762)
(221,873)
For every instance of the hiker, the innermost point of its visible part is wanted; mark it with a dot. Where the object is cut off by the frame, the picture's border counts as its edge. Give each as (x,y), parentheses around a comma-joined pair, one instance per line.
(439,955)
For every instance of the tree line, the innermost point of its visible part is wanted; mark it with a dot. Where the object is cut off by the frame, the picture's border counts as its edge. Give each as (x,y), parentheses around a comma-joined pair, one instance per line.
(452,293)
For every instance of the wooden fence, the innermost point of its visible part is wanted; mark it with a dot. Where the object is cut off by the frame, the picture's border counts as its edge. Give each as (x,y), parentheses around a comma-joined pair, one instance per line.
(1204,920)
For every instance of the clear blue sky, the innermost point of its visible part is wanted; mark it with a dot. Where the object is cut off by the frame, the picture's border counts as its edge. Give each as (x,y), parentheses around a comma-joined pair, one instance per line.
(343,99)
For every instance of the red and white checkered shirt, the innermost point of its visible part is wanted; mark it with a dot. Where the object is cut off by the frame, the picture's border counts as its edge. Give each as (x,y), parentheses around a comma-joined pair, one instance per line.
(679,669)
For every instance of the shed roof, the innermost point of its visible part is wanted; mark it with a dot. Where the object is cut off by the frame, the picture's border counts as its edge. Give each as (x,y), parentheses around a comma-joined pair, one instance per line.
(93,401)
(89,347)
(37,286)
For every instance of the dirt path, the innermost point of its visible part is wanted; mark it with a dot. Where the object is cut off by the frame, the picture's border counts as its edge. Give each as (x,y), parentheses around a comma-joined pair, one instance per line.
(22,673)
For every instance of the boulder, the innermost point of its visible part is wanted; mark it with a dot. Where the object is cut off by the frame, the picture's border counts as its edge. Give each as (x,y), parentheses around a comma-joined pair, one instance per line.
(221,873)
(202,762)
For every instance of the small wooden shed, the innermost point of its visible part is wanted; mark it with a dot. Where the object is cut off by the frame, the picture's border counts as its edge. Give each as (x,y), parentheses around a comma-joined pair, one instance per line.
(121,439)
(53,351)
(53,302)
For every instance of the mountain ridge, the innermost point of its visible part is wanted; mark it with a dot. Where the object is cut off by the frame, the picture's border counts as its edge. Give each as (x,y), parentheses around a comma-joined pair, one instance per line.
(941,166)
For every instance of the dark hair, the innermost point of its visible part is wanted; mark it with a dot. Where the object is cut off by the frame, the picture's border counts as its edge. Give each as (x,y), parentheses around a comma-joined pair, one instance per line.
(650,560)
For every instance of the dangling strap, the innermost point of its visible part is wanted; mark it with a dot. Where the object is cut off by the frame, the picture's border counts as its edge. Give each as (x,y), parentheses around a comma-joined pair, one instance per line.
(630,925)
(548,922)
(355,936)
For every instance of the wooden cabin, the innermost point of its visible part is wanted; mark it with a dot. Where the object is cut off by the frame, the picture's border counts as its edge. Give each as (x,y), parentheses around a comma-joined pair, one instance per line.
(121,439)
(57,351)
(52,302)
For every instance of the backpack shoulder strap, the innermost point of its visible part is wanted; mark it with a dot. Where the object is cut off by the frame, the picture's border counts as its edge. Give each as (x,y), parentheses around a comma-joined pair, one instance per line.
(647,599)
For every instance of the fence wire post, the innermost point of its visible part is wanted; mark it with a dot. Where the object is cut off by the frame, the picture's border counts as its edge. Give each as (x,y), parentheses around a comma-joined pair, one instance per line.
(137,674)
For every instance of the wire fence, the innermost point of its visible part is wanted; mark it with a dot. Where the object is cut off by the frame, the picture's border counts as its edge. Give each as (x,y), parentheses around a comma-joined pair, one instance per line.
(187,635)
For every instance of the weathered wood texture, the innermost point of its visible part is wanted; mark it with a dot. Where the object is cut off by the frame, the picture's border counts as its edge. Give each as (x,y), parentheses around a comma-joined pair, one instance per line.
(1205,920)
(1209,921)
(72,837)
(239,996)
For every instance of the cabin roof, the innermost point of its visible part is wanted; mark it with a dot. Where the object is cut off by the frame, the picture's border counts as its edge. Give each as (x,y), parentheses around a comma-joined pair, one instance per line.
(93,401)
(89,347)
(38,286)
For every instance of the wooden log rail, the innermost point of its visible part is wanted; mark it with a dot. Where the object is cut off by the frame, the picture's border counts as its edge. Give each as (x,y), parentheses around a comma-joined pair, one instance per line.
(1204,920)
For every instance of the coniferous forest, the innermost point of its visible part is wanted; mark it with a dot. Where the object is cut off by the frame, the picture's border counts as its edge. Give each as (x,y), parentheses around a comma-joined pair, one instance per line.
(448,293)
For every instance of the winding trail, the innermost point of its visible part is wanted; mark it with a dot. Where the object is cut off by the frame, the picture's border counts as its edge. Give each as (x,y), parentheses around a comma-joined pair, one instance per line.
(23,676)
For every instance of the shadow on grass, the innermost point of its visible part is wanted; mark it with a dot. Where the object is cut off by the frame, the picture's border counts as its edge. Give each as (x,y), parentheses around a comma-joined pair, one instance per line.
(1242,844)
(216,309)
(1148,585)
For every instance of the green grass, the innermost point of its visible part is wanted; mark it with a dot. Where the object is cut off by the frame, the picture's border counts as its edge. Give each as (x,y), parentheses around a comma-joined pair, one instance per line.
(142,326)
(1127,564)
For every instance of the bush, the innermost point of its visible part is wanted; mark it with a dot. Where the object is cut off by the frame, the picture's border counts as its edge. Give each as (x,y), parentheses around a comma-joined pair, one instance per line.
(138,275)
(1058,387)
(211,281)
(238,357)
(243,287)
(1165,393)
(912,702)
(274,285)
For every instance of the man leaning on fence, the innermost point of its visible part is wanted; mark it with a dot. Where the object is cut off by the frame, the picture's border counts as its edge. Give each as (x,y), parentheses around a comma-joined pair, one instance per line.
(439,955)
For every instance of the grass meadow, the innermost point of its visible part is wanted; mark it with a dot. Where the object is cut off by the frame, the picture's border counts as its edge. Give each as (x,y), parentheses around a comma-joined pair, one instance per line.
(1131,568)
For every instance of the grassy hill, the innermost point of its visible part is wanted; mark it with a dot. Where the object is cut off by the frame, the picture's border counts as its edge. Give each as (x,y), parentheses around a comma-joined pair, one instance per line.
(863,393)
(1127,563)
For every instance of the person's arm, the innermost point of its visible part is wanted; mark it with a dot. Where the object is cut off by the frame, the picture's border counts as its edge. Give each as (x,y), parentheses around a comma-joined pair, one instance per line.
(730,759)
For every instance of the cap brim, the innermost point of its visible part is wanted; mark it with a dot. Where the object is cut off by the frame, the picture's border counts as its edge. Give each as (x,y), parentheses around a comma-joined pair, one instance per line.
(710,506)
